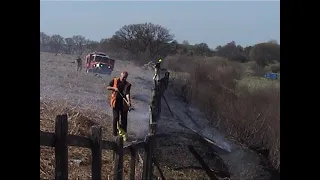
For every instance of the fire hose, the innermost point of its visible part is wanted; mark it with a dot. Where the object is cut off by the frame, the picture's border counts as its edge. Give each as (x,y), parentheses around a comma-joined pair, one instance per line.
(125,100)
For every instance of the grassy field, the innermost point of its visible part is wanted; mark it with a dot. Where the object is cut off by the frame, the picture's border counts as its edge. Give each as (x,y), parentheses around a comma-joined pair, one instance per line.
(255,83)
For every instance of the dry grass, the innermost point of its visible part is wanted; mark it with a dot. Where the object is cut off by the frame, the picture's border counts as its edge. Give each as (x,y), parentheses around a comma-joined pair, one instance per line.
(171,151)
(177,162)
(246,107)
(255,83)
(79,158)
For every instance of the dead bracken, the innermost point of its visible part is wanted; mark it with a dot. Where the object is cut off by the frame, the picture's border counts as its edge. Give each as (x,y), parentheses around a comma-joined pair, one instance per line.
(79,158)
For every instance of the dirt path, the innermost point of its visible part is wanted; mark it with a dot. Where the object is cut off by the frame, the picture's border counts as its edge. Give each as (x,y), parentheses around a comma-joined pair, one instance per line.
(60,81)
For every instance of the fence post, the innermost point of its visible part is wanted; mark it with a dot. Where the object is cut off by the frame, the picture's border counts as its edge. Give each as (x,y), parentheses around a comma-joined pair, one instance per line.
(159,94)
(118,162)
(152,121)
(145,158)
(61,147)
(147,161)
(132,162)
(152,145)
(96,139)
(154,108)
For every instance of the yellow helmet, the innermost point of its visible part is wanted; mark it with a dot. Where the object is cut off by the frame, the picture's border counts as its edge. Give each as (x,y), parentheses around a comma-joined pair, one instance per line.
(159,60)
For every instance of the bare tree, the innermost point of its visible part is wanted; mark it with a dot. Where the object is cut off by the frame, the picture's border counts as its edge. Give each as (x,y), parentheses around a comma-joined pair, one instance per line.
(44,41)
(92,45)
(147,41)
(144,39)
(273,41)
(56,42)
(70,45)
(185,42)
(227,50)
(265,53)
(202,49)
(80,42)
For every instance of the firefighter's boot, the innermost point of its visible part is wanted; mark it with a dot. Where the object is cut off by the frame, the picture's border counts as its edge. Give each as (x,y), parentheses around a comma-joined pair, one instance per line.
(122,133)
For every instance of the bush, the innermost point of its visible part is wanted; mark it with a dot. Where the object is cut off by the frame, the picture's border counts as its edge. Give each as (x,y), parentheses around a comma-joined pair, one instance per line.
(275,68)
(252,117)
(265,53)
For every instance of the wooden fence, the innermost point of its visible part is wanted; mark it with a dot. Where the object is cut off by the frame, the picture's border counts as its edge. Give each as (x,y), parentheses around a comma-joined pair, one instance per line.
(60,140)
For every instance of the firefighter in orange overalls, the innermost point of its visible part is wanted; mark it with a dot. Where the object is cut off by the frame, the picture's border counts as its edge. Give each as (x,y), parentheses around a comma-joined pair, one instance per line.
(120,103)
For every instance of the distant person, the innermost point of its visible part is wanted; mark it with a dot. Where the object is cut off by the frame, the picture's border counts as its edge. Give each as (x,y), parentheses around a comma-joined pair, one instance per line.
(79,64)
(157,68)
(120,103)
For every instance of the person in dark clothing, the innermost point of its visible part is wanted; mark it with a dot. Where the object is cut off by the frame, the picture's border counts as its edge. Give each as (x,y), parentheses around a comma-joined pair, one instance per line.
(79,64)
(157,68)
(120,101)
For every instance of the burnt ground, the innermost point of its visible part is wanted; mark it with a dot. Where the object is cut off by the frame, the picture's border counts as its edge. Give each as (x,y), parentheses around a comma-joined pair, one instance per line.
(60,81)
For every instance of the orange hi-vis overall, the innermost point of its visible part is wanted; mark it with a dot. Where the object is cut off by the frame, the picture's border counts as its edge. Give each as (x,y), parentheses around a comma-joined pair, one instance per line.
(114,95)
(125,106)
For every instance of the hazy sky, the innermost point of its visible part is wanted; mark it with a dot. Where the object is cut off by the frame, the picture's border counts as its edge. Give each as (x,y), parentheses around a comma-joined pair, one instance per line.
(212,22)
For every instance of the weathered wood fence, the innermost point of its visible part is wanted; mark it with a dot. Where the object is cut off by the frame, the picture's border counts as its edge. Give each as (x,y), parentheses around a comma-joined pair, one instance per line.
(60,140)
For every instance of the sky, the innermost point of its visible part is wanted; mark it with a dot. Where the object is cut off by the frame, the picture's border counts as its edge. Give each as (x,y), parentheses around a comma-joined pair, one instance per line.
(213,22)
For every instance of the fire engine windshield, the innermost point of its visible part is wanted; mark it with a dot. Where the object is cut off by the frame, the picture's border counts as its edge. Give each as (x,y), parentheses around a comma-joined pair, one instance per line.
(101,59)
